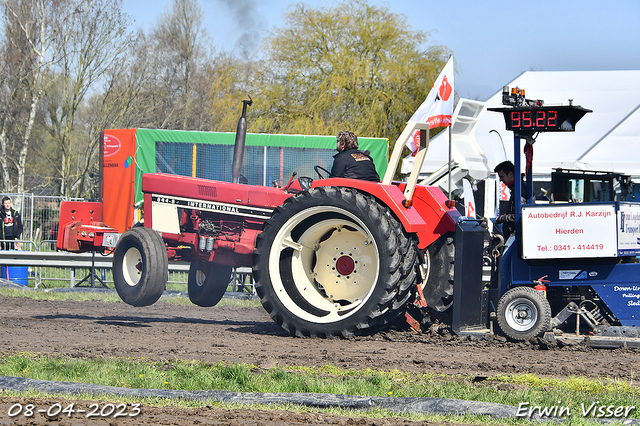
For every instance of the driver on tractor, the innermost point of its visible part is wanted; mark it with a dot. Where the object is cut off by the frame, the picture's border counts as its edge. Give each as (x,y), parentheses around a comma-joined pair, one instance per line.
(351,163)
(505,171)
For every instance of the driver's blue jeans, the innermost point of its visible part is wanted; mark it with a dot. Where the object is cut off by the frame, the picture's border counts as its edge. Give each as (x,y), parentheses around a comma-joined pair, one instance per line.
(505,264)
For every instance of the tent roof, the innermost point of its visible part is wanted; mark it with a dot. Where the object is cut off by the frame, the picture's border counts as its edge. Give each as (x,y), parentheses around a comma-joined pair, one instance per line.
(608,139)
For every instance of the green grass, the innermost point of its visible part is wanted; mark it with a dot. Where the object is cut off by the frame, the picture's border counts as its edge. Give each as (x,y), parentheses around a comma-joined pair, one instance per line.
(192,375)
(61,278)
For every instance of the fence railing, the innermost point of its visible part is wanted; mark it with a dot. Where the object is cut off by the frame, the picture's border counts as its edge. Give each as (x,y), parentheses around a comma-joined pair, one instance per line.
(40,216)
(41,266)
(93,266)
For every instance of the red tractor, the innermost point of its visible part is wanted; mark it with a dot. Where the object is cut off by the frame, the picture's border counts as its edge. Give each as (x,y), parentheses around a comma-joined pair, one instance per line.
(330,256)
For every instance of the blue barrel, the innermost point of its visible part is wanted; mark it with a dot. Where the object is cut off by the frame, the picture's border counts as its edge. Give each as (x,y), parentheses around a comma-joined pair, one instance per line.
(17,274)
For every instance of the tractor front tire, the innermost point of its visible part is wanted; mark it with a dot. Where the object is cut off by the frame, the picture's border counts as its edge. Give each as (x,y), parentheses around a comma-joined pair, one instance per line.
(523,313)
(334,262)
(140,266)
(207,282)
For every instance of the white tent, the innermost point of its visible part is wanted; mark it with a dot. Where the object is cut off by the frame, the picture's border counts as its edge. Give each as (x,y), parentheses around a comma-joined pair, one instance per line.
(608,139)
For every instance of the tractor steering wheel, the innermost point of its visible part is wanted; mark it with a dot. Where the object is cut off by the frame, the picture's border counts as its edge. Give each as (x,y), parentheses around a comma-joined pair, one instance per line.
(318,168)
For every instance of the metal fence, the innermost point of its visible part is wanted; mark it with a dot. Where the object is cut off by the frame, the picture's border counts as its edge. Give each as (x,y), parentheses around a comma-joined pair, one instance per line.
(40,216)
(90,270)
(41,269)
(77,269)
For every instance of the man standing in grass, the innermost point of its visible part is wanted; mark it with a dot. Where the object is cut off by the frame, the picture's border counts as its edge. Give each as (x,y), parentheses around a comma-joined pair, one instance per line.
(11,224)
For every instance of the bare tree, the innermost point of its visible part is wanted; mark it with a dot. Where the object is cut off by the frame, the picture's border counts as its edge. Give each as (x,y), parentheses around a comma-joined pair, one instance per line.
(34,31)
(14,67)
(95,48)
(182,47)
(111,108)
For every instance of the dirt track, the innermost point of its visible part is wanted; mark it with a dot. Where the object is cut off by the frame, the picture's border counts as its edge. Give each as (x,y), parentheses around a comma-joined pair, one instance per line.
(168,331)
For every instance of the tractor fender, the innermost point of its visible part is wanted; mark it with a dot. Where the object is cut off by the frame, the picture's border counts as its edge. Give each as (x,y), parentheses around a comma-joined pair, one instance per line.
(430,201)
(388,195)
(429,217)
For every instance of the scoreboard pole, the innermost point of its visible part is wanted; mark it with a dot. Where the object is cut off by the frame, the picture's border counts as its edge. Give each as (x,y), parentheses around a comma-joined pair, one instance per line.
(517,184)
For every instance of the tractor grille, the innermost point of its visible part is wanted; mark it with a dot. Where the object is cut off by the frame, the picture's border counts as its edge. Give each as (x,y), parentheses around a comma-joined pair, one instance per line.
(207,191)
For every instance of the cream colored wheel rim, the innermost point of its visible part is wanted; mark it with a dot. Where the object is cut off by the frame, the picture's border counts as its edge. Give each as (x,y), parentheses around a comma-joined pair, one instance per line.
(333,268)
(132,266)
(200,276)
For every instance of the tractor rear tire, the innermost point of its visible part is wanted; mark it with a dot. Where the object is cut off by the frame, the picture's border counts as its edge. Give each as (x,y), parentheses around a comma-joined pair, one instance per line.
(334,262)
(140,266)
(207,282)
(438,273)
(524,313)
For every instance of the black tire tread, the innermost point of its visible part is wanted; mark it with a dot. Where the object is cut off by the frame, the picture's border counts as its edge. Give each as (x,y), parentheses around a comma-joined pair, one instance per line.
(397,284)
(154,276)
(214,287)
(438,290)
(544,313)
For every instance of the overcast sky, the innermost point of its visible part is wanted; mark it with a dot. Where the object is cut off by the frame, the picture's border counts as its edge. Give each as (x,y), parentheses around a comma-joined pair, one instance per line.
(492,41)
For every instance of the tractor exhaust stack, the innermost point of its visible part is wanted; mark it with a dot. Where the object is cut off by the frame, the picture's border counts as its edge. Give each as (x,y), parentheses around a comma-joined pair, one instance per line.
(241,137)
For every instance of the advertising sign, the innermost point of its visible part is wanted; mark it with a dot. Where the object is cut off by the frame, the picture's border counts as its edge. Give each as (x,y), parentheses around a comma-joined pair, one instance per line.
(569,231)
(629,229)
(117,159)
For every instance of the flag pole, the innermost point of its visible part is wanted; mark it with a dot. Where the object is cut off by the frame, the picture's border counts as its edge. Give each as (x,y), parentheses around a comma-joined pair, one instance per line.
(449,179)
(435,111)
(450,143)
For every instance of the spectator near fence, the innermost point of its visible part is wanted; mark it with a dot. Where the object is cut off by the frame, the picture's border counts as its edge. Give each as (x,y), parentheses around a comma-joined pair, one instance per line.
(11,224)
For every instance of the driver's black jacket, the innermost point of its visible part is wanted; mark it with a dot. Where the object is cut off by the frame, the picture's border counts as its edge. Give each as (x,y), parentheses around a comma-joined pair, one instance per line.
(354,164)
(508,218)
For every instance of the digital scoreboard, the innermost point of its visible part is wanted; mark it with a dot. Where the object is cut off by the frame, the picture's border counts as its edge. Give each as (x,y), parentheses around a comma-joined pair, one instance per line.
(530,116)
(542,118)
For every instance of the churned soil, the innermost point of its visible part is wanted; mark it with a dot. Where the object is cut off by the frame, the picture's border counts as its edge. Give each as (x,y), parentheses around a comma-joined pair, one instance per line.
(167,331)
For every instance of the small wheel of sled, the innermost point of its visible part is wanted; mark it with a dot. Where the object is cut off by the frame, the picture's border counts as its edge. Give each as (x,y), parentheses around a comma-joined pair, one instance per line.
(523,313)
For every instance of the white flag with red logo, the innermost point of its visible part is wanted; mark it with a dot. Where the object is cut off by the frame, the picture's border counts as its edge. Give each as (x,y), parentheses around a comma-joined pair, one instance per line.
(437,109)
